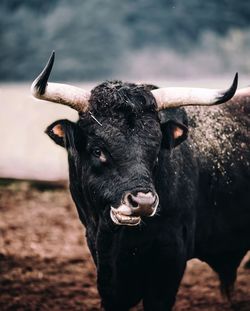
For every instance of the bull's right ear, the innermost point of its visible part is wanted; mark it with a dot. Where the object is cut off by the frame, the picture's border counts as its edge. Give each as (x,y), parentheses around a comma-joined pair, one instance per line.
(63,132)
(56,131)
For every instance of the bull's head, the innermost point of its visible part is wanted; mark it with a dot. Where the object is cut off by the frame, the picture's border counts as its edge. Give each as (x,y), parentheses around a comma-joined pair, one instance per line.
(113,149)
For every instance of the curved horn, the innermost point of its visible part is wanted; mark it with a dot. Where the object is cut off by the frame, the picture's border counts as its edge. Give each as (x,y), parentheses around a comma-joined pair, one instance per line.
(173,97)
(64,94)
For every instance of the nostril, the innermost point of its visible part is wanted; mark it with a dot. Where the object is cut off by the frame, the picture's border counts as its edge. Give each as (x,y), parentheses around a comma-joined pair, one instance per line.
(133,203)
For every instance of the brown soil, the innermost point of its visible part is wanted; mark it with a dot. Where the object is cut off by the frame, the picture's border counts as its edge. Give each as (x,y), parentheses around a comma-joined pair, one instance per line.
(45,263)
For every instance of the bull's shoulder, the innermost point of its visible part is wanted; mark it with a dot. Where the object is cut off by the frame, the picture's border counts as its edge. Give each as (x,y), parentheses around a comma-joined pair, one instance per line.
(219,135)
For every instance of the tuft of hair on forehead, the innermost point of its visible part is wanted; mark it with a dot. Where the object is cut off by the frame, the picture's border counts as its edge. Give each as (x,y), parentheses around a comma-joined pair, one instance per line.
(113,97)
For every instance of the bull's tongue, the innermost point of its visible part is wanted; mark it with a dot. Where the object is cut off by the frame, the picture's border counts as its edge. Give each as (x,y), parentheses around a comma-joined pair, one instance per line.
(125,210)
(122,219)
(122,209)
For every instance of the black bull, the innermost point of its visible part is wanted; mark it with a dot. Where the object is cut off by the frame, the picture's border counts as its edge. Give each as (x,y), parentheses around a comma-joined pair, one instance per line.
(187,169)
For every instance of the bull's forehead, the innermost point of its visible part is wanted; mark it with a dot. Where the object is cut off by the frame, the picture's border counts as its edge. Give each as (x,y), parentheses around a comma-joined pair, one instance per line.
(119,136)
(124,116)
(121,129)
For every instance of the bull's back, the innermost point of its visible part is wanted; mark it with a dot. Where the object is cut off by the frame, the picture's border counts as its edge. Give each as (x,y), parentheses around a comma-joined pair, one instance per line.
(219,137)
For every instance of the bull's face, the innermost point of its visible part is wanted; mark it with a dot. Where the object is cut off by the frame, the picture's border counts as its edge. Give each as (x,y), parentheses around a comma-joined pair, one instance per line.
(113,148)
(113,152)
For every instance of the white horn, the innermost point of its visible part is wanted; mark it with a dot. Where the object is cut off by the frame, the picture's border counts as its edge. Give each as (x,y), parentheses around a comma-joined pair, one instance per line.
(173,97)
(64,94)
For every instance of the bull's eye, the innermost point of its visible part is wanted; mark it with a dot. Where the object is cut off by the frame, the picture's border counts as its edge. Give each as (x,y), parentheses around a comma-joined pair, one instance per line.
(97,152)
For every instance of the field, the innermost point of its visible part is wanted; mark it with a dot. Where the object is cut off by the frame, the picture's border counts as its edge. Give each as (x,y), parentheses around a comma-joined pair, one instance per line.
(45,263)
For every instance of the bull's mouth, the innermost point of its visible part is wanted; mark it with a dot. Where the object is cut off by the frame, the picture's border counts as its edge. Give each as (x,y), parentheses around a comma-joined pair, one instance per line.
(133,207)
(122,219)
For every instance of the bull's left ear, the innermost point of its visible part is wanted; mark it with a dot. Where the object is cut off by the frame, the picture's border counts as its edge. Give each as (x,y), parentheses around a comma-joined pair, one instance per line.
(173,133)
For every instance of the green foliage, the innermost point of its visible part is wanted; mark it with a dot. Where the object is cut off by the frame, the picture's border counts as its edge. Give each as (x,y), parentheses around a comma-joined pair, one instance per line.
(93,38)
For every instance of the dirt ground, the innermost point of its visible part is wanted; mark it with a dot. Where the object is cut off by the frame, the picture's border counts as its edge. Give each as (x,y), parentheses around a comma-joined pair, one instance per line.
(45,263)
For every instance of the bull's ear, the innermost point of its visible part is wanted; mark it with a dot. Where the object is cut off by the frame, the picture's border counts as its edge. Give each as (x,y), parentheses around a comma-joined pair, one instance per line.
(65,133)
(173,133)
(56,131)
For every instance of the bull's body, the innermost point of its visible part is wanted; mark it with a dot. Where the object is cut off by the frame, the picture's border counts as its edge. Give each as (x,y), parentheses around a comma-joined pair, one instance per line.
(220,140)
(151,199)
(203,185)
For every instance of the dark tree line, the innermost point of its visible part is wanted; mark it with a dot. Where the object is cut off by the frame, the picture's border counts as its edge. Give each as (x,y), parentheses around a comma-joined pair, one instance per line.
(93,37)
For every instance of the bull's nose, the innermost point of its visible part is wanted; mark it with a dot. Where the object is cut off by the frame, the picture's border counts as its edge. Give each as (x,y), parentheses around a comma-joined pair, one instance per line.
(140,198)
(142,203)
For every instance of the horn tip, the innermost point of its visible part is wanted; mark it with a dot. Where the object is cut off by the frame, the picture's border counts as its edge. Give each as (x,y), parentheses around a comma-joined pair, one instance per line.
(53,53)
(235,81)
(38,87)
(229,93)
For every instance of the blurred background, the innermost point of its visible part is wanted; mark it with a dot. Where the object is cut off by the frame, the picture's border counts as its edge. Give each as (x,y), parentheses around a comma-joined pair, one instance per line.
(44,260)
(167,42)
(142,39)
